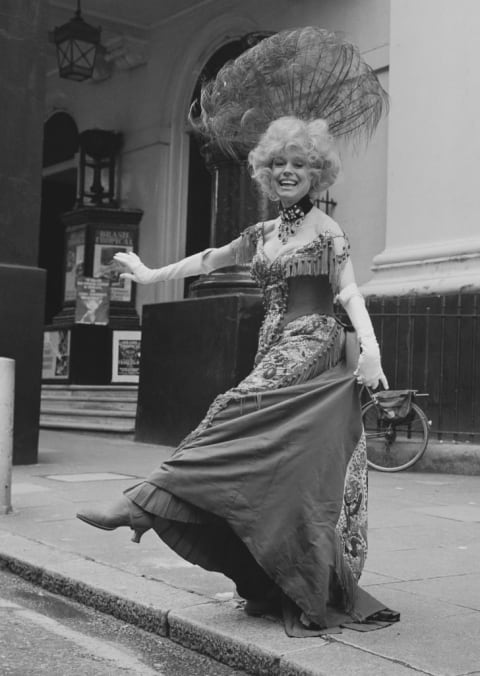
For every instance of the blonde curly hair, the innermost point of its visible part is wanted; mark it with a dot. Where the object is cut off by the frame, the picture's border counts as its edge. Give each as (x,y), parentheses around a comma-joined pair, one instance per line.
(310,138)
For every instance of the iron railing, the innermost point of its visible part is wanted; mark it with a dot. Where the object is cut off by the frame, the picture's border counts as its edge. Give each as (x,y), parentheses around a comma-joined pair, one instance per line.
(432,344)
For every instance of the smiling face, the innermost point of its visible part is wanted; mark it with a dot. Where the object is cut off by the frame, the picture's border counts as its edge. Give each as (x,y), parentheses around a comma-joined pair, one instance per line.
(291,177)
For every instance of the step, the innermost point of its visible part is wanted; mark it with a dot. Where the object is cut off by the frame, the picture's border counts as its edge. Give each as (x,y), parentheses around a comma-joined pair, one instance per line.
(87,396)
(99,424)
(99,408)
(51,405)
(90,412)
(95,393)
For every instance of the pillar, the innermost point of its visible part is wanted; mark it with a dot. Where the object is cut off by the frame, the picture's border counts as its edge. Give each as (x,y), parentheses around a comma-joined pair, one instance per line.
(23,39)
(432,237)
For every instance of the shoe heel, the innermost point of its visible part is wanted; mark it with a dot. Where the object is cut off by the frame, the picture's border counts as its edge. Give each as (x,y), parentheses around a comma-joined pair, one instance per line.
(137,534)
(140,522)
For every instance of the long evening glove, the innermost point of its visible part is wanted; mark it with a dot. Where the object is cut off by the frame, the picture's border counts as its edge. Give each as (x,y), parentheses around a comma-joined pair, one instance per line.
(187,267)
(369,368)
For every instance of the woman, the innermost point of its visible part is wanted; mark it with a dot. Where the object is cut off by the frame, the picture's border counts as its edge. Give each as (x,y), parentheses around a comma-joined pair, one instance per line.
(270,489)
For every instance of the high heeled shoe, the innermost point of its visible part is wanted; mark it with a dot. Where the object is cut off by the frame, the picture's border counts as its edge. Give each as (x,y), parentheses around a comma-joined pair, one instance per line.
(124,512)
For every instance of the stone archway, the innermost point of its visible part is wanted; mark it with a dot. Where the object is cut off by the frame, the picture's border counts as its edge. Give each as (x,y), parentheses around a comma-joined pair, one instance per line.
(204,227)
(172,211)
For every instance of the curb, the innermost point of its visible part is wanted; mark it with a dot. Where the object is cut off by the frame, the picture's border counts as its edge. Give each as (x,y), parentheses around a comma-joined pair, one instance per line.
(213,628)
(449,458)
(168,624)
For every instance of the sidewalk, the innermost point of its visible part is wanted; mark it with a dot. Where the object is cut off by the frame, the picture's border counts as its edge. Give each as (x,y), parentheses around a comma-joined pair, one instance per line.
(423,561)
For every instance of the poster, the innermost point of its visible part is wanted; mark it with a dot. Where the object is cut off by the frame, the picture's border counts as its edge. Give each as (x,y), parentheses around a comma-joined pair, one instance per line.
(107,244)
(56,355)
(74,262)
(126,356)
(92,304)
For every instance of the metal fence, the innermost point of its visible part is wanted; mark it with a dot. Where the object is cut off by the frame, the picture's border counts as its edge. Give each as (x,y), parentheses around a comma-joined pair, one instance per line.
(432,344)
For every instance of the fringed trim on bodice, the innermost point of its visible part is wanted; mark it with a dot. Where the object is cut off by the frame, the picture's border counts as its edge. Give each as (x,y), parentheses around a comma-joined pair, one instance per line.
(245,246)
(321,256)
(318,258)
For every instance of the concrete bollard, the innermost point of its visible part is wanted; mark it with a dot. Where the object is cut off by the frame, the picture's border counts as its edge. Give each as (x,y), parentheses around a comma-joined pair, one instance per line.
(7,390)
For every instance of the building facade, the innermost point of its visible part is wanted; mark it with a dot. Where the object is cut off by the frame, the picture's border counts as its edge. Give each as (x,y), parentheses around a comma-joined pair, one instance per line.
(407,201)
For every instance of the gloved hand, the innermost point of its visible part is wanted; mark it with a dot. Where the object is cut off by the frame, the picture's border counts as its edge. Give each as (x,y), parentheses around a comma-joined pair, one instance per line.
(369,368)
(140,273)
(137,271)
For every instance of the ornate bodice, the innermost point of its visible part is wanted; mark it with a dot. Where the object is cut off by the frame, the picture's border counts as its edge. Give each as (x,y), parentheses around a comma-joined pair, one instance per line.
(300,281)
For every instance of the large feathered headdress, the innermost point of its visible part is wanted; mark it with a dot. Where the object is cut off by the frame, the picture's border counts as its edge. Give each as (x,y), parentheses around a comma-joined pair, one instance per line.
(307,72)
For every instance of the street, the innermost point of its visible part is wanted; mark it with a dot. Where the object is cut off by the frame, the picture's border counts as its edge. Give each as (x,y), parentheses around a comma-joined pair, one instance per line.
(41,633)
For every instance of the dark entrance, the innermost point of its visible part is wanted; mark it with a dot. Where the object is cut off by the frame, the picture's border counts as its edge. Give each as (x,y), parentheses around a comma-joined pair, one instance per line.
(59,186)
(199,208)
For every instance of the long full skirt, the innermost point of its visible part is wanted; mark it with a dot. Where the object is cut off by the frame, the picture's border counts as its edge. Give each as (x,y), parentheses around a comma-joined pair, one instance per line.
(271,488)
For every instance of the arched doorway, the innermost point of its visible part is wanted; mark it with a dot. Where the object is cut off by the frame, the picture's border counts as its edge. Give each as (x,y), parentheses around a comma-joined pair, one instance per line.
(59,187)
(199,204)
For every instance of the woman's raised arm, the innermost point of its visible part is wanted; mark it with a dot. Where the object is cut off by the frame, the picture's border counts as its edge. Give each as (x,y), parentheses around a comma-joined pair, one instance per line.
(199,264)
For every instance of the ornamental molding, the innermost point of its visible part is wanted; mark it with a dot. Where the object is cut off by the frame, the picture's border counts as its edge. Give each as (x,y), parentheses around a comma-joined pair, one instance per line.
(425,277)
(123,52)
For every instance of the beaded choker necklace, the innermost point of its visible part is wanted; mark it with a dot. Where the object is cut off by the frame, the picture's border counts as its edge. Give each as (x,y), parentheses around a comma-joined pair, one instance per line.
(291,218)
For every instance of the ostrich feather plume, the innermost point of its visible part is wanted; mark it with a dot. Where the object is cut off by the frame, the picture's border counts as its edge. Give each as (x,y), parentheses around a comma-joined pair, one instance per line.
(307,72)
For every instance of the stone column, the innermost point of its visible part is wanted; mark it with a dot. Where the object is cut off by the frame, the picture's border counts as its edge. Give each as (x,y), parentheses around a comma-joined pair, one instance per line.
(432,234)
(23,40)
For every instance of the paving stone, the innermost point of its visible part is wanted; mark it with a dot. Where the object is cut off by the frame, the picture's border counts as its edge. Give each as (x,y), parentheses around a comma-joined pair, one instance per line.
(435,636)
(439,533)
(25,488)
(336,659)
(424,564)
(459,512)
(88,476)
(370,578)
(387,517)
(17,547)
(462,590)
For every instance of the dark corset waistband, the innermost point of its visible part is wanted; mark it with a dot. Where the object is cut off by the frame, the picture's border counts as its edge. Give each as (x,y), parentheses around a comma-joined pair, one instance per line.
(309,295)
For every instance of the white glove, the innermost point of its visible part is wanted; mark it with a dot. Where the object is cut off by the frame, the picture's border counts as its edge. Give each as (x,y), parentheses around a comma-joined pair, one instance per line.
(138,272)
(369,368)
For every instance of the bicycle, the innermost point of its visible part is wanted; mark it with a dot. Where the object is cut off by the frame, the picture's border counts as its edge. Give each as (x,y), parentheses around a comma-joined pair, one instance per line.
(396,429)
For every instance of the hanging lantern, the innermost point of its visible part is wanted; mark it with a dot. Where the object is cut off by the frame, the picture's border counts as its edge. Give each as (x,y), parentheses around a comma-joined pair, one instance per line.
(77,45)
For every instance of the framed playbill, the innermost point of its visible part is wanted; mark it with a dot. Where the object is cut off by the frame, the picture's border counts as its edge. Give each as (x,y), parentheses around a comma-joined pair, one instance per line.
(126,356)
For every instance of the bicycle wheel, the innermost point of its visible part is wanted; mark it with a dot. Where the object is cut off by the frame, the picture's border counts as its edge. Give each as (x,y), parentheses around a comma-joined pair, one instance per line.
(394,446)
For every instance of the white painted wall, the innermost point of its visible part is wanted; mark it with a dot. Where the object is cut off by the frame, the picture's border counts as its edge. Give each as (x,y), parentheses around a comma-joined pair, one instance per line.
(432,235)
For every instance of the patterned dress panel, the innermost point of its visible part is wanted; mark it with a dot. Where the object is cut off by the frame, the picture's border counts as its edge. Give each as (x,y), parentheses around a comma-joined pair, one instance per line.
(305,347)
(352,525)
(286,355)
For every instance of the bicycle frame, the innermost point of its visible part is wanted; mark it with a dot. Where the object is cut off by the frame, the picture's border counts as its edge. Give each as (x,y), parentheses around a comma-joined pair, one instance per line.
(396,431)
